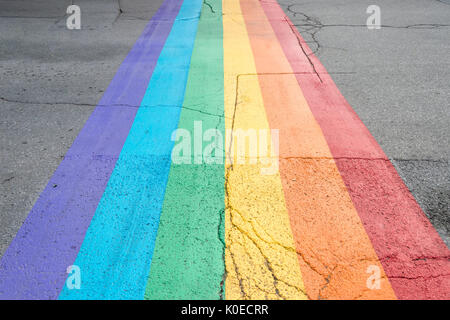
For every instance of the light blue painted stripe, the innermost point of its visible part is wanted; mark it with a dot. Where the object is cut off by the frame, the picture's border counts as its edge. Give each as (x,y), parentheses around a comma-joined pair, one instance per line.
(116,253)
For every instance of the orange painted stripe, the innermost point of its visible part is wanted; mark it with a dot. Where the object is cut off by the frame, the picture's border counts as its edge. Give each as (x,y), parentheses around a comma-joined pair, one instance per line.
(332,246)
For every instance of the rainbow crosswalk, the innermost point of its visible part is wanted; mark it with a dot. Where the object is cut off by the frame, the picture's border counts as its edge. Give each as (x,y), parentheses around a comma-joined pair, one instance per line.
(141,226)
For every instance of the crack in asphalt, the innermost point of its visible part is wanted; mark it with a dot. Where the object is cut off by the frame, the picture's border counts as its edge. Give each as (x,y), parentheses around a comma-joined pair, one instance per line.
(394,258)
(209,5)
(267,263)
(299,40)
(327,282)
(291,73)
(111,105)
(122,15)
(411,26)
(236,271)
(363,159)
(221,226)
(228,170)
(313,25)
(56,103)
(119,14)
(33,17)
(420,277)
(425,258)
(7,180)
(221,116)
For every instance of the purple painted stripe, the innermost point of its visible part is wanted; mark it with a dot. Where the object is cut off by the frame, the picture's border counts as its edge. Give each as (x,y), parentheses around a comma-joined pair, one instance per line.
(34,266)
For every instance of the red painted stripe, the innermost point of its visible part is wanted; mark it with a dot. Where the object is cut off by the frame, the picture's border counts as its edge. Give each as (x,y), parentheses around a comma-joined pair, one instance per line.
(414,257)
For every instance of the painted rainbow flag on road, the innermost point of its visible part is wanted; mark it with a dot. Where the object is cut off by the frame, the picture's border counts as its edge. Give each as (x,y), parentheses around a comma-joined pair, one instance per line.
(333,220)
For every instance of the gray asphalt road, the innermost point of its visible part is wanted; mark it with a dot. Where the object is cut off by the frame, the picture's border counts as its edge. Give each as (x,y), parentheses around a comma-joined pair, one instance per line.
(396,79)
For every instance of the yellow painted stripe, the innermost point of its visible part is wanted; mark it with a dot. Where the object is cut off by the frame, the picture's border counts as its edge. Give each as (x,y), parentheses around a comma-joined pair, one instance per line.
(260,257)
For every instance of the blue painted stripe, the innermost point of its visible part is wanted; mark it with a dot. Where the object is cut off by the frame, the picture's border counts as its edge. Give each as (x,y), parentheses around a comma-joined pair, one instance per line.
(116,254)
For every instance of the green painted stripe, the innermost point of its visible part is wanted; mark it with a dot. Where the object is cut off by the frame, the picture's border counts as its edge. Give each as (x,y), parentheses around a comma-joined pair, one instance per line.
(188,261)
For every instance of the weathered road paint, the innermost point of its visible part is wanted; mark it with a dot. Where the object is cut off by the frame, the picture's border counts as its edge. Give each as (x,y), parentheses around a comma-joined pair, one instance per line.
(333,248)
(117,250)
(261,262)
(336,208)
(414,257)
(34,266)
(188,262)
